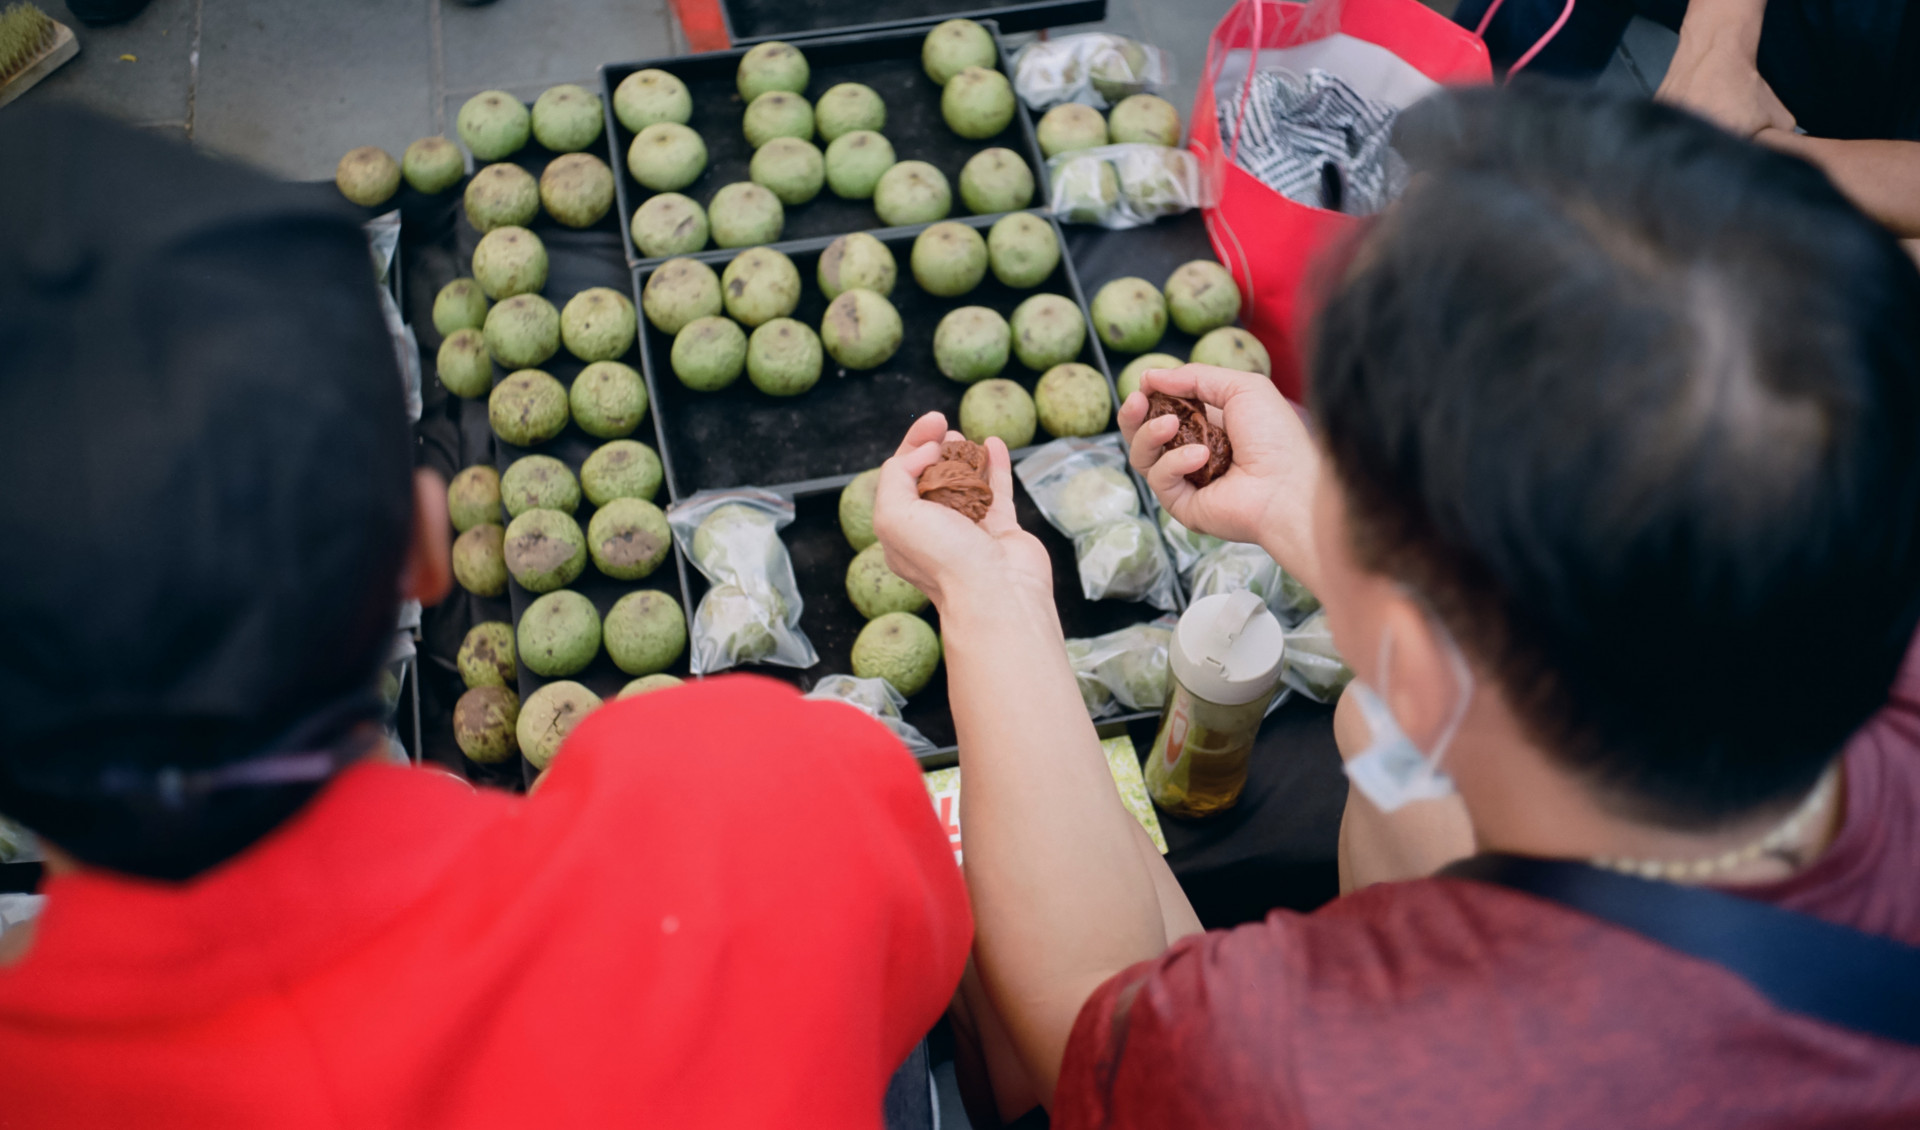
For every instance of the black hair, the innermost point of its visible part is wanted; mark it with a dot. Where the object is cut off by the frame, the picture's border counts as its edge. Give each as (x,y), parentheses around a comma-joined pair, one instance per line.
(1635,406)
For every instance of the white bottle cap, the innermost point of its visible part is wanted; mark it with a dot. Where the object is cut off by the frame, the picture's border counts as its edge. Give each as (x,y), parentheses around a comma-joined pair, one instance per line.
(1228,648)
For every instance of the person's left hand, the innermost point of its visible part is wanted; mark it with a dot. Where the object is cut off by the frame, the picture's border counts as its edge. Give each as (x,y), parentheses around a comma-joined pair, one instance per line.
(939,550)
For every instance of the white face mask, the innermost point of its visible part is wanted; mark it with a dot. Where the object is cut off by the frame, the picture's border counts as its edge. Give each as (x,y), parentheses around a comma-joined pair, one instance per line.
(1392,772)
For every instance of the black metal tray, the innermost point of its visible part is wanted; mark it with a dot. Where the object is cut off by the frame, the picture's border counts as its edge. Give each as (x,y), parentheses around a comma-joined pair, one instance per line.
(848,422)
(887,61)
(753,21)
(821,554)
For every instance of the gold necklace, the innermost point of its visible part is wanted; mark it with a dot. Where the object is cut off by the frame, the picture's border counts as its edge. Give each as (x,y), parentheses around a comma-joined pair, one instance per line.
(1785,834)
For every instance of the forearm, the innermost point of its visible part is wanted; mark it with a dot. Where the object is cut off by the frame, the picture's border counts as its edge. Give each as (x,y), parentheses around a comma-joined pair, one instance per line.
(1882,178)
(1062,896)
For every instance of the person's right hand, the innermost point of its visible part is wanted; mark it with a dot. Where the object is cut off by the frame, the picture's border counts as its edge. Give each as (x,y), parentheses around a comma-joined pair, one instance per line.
(1720,83)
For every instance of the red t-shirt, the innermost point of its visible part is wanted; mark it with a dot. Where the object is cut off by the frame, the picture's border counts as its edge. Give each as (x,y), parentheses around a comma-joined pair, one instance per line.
(727,907)
(1448,1003)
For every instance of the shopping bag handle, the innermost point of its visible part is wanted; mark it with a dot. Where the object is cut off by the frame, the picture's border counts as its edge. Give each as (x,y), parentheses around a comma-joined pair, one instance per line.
(1539,45)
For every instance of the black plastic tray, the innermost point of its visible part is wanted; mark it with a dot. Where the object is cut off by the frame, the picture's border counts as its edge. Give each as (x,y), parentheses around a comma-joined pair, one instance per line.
(887,61)
(848,422)
(753,21)
(1152,252)
(821,554)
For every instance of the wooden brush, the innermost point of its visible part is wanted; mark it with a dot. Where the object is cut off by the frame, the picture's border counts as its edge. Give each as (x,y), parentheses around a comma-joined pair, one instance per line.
(32,44)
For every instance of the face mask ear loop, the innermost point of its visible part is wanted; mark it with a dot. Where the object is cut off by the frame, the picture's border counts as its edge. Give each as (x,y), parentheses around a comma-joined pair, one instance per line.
(1462,674)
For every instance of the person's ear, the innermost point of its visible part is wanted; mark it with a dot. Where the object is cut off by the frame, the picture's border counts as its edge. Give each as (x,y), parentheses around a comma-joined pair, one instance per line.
(1423,686)
(427,574)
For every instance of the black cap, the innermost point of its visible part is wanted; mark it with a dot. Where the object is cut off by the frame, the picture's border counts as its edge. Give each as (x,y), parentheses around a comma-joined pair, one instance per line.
(205,466)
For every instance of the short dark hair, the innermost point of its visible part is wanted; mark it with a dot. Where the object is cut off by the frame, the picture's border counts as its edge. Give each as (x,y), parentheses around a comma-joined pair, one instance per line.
(1635,406)
(207,470)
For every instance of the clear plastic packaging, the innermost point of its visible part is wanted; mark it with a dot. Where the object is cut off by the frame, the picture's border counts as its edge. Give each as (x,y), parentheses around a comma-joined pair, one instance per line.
(1124,186)
(878,699)
(1186,546)
(1314,667)
(1082,487)
(17,845)
(1232,566)
(1095,69)
(752,612)
(1125,669)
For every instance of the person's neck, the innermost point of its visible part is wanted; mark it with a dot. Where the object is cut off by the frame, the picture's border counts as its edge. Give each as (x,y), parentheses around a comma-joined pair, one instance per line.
(1529,806)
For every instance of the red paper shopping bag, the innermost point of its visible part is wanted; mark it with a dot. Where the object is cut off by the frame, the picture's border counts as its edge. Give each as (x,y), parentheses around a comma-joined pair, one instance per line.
(1391,50)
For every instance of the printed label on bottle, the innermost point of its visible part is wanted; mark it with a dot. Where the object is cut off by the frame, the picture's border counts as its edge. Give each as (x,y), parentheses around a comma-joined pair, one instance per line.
(1177,730)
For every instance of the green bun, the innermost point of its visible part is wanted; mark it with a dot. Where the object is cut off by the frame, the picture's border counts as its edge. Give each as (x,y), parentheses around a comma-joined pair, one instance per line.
(648,96)
(1095,497)
(493,124)
(1230,347)
(771,66)
(856,509)
(998,407)
(608,399)
(1130,315)
(645,632)
(538,482)
(854,260)
(900,648)
(1073,400)
(566,118)
(1070,126)
(783,357)
(790,168)
(527,408)
(1023,250)
(598,324)
(861,329)
(460,305)
(647,684)
(735,540)
(1047,331)
(624,468)
(709,353)
(759,285)
(949,259)
(912,192)
(510,261)
(1085,190)
(995,180)
(877,590)
(1201,296)
(523,331)
(501,196)
(971,344)
(855,163)
(743,214)
(478,561)
(777,113)
(669,224)
(740,625)
(955,45)
(628,538)
(977,103)
(577,189)
(559,634)
(464,365)
(1129,379)
(550,714)
(1117,74)
(473,497)
(846,107)
(679,291)
(367,176)
(485,658)
(545,550)
(433,165)
(484,724)
(1093,693)
(1146,120)
(666,157)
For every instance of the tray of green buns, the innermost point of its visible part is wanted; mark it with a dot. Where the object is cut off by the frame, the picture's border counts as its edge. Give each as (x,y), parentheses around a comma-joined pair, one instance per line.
(875,322)
(838,134)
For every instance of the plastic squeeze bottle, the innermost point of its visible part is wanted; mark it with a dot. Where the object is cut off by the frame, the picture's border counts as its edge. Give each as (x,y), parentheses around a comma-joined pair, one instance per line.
(1225,659)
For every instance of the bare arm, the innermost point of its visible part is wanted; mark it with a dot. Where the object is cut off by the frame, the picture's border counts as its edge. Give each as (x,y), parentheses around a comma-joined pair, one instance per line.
(1064,896)
(1882,178)
(1713,72)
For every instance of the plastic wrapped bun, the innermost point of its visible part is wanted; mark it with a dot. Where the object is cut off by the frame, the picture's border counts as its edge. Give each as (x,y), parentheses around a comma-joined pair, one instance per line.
(1313,665)
(752,612)
(878,699)
(1094,69)
(1124,560)
(1082,487)
(1186,546)
(1124,186)
(1126,668)
(1094,694)
(1232,566)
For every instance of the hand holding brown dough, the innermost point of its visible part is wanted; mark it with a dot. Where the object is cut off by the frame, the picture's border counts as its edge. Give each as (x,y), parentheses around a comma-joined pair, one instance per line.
(959,480)
(1194,428)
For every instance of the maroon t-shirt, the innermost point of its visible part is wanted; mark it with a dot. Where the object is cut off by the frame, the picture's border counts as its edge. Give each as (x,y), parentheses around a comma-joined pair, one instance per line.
(1444,1003)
